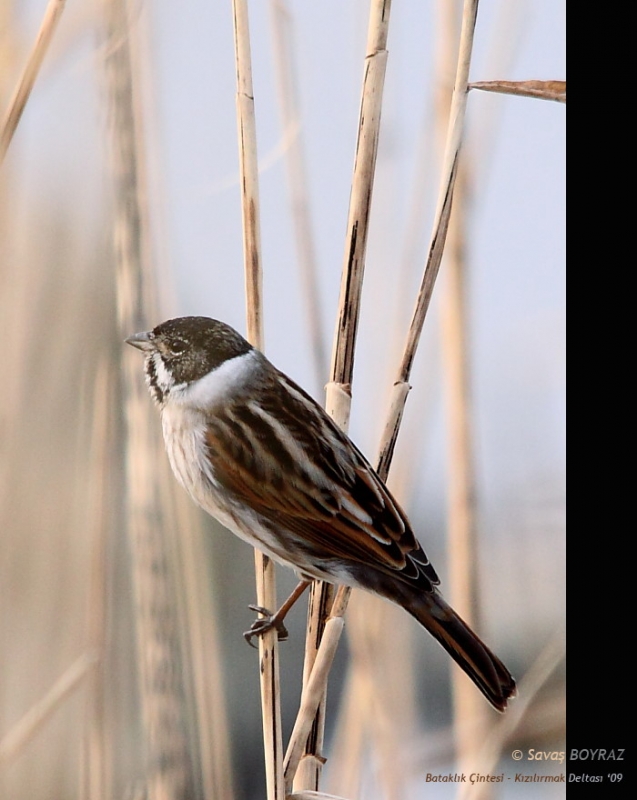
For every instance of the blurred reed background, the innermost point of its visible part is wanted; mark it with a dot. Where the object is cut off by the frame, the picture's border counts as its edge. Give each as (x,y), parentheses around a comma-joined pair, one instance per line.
(123,672)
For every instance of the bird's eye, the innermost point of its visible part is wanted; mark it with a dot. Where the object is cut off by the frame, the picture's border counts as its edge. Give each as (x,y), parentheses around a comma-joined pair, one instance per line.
(177,346)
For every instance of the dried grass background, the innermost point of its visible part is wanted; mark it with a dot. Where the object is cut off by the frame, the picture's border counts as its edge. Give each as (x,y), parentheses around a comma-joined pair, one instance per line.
(74,713)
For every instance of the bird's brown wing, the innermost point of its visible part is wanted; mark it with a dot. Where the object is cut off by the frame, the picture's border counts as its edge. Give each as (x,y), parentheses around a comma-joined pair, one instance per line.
(284,457)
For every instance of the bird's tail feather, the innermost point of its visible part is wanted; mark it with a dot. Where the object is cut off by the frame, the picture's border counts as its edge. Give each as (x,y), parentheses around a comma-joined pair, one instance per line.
(484,668)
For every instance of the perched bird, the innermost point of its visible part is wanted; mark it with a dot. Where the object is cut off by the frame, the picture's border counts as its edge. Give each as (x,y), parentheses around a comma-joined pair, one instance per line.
(261,456)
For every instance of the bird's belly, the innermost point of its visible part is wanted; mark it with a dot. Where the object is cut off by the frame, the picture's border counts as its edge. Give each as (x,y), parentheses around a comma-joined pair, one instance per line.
(184,436)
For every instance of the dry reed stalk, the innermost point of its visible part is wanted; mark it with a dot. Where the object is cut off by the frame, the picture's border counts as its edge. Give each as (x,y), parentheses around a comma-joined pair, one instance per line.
(439,233)
(22,91)
(264,567)
(14,294)
(7,54)
(454,139)
(249,175)
(202,644)
(462,545)
(504,44)
(378,675)
(377,681)
(542,90)
(349,738)
(170,770)
(283,50)
(314,689)
(97,763)
(202,648)
(47,536)
(361,193)
(338,392)
(320,601)
(462,549)
(25,729)
(390,684)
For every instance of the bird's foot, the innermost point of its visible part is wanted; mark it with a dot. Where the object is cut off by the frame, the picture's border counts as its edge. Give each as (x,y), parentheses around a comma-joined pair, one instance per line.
(266,622)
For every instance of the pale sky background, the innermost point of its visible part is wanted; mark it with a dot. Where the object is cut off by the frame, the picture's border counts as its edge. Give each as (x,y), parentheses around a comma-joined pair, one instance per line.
(515,235)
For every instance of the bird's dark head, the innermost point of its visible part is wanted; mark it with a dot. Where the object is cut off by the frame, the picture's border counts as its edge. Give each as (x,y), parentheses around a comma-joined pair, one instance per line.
(184,350)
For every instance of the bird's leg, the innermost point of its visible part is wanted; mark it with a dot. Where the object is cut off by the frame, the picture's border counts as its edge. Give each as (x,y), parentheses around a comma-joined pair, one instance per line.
(267,621)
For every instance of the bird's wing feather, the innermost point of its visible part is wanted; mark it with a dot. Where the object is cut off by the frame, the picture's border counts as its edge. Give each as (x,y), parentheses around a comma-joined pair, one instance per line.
(309,478)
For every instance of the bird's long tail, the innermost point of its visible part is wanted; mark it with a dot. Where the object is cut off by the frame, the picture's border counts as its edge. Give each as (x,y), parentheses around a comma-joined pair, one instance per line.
(484,668)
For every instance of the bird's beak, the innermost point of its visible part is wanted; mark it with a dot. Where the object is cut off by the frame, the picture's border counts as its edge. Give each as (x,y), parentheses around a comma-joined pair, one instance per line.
(142,341)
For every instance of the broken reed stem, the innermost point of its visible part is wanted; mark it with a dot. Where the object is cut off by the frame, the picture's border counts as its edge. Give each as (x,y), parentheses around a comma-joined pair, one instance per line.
(315,686)
(542,90)
(264,568)
(338,398)
(283,51)
(22,92)
(439,233)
